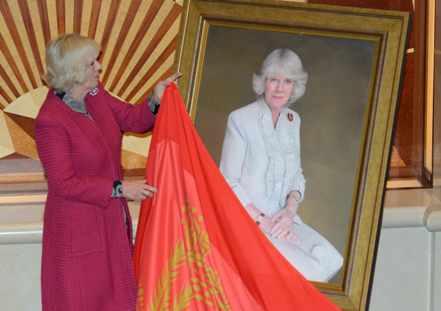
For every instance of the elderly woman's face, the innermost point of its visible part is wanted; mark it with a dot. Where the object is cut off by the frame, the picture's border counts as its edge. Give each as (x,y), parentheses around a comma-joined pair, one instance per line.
(278,90)
(93,69)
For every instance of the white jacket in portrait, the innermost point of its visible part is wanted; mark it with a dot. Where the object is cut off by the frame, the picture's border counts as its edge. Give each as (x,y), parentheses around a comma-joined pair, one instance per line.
(262,163)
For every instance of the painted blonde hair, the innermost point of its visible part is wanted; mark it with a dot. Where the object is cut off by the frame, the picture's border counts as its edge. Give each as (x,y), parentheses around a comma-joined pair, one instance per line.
(286,62)
(65,65)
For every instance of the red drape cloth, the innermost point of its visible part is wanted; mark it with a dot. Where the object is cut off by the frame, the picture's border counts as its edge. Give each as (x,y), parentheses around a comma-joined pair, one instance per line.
(196,248)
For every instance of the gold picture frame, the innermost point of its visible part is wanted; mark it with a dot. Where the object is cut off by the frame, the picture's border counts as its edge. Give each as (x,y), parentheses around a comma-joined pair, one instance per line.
(221,40)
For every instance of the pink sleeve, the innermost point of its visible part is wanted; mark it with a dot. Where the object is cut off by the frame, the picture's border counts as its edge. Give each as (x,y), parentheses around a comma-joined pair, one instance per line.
(54,149)
(131,118)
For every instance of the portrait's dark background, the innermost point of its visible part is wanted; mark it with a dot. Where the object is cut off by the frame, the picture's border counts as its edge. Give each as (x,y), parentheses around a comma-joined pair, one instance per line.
(332,110)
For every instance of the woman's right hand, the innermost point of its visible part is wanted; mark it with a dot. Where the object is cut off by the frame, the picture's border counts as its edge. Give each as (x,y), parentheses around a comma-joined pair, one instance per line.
(137,190)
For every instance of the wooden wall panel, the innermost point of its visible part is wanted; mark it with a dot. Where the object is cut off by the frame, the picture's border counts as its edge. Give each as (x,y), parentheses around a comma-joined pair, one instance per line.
(31,34)
(11,61)
(96,8)
(128,19)
(137,37)
(44,19)
(135,44)
(160,33)
(13,29)
(61,16)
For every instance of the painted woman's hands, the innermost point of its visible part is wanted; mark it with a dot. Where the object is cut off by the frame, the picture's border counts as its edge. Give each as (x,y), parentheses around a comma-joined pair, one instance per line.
(284,219)
(283,224)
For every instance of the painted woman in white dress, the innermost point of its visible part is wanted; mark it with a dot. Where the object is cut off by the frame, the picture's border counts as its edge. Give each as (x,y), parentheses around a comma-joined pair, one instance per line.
(261,162)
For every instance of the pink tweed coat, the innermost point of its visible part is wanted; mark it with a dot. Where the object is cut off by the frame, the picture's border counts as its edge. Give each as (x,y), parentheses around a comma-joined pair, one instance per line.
(87,234)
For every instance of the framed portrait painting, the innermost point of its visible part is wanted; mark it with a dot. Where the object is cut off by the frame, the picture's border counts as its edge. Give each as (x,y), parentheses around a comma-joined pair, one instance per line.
(353,59)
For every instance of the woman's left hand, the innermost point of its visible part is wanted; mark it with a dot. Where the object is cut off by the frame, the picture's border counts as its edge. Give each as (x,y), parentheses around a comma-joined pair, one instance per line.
(159,89)
(137,190)
(284,221)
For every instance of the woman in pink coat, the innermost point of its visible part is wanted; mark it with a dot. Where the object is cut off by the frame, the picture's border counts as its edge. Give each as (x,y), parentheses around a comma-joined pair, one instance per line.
(87,234)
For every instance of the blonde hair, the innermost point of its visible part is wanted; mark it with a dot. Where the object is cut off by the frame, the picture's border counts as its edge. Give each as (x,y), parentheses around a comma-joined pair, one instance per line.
(65,65)
(286,62)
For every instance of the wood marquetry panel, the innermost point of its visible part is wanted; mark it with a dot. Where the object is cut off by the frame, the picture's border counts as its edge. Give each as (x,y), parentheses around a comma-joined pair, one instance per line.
(138,42)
